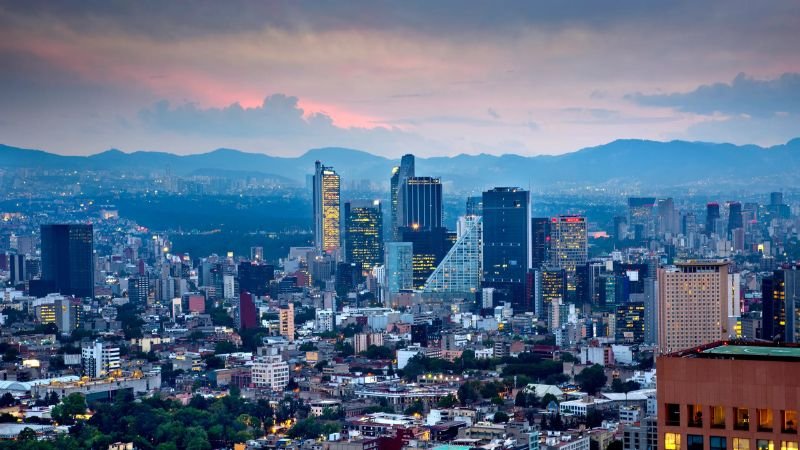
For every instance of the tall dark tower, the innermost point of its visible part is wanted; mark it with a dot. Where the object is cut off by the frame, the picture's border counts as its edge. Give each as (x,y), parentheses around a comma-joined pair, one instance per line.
(507,244)
(422,203)
(363,231)
(399,176)
(540,240)
(712,214)
(67,258)
(734,216)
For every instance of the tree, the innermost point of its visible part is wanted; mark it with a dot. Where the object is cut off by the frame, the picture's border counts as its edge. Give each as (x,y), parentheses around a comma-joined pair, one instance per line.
(546,399)
(500,417)
(26,435)
(375,352)
(592,379)
(7,400)
(224,347)
(70,406)
(615,445)
(468,394)
(624,386)
(447,402)
(307,347)
(416,408)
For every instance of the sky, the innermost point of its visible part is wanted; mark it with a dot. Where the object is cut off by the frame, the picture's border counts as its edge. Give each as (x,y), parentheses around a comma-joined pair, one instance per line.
(391,77)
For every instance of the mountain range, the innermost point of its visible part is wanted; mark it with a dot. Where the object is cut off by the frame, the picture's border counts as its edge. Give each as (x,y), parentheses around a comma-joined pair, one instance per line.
(621,163)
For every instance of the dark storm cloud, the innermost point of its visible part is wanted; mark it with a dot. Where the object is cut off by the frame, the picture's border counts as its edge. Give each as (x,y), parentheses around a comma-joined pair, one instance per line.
(744,95)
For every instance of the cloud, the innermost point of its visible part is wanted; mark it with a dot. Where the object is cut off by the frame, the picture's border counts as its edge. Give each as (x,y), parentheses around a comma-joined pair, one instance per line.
(744,96)
(765,131)
(493,113)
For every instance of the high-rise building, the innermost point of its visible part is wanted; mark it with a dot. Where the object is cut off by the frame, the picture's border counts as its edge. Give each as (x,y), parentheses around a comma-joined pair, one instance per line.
(68,258)
(460,271)
(507,245)
(551,286)
(399,266)
(99,359)
(286,321)
(255,277)
(429,246)
(735,218)
(248,314)
(568,245)
(474,206)
(780,299)
(363,231)
(712,215)
(630,323)
(326,200)
(540,241)
(17,268)
(729,395)
(421,202)
(257,254)
(399,175)
(640,216)
(776,206)
(270,371)
(667,217)
(698,300)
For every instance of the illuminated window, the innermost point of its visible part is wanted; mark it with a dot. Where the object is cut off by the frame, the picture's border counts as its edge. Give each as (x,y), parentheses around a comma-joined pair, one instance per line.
(741,419)
(763,444)
(717,417)
(695,415)
(788,445)
(694,442)
(672,441)
(789,421)
(718,443)
(764,419)
(673,414)
(741,444)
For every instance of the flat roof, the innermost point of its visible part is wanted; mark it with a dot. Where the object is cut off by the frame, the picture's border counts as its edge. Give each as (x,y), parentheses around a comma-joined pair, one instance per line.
(755,350)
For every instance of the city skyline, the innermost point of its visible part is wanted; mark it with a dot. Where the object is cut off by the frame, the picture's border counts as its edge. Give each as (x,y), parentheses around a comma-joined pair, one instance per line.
(436,80)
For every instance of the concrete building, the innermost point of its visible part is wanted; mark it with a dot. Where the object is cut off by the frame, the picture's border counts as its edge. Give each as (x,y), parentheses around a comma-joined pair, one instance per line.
(286,316)
(270,371)
(99,359)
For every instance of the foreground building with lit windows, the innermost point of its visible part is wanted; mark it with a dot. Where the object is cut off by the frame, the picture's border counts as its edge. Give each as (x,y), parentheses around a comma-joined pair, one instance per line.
(729,395)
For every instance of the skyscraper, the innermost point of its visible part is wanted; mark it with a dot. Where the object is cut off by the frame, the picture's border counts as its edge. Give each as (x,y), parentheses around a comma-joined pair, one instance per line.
(430,245)
(399,175)
(697,301)
(255,277)
(248,314)
(326,198)
(640,216)
(399,266)
(712,214)
(507,244)
(68,258)
(461,269)
(474,206)
(540,241)
(735,218)
(363,231)
(780,299)
(421,203)
(667,217)
(568,245)
(286,321)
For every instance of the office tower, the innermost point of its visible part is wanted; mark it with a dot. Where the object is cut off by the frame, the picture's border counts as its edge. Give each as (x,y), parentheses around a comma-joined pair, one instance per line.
(138,290)
(286,319)
(348,277)
(780,300)
(99,359)
(461,269)
(696,300)
(255,277)
(399,266)
(363,231)
(650,311)
(17,273)
(507,244)
(193,302)
(270,371)
(551,285)
(230,286)
(399,175)
(729,395)
(421,203)
(540,241)
(362,341)
(326,197)
(68,258)
(712,214)
(667,217)
(640,216)
(735,218)
(257,254)
(248,314)
(69,313)
(474,206)
(429,247)
(586,283)
(620,232)
(630,323)
(568,245)
(776,206)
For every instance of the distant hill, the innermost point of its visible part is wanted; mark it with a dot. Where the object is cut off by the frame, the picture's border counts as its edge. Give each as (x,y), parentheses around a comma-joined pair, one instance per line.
(675,164)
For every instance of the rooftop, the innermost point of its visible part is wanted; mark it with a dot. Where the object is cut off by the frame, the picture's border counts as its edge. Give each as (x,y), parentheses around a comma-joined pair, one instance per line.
(745,350)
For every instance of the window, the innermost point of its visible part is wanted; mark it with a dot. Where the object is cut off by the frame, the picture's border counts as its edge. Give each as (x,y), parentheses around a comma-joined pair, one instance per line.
(717,417)
(695,414)
(764,419)
(718,443)
(741,419)
(694,442)
(763,444)
(672,441)
(789,421)
(788,445)
(673,415)
(741,444)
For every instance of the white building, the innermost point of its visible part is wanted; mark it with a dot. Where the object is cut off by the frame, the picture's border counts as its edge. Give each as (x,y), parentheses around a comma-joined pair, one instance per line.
(271,372)
(98,359)
(405,355)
